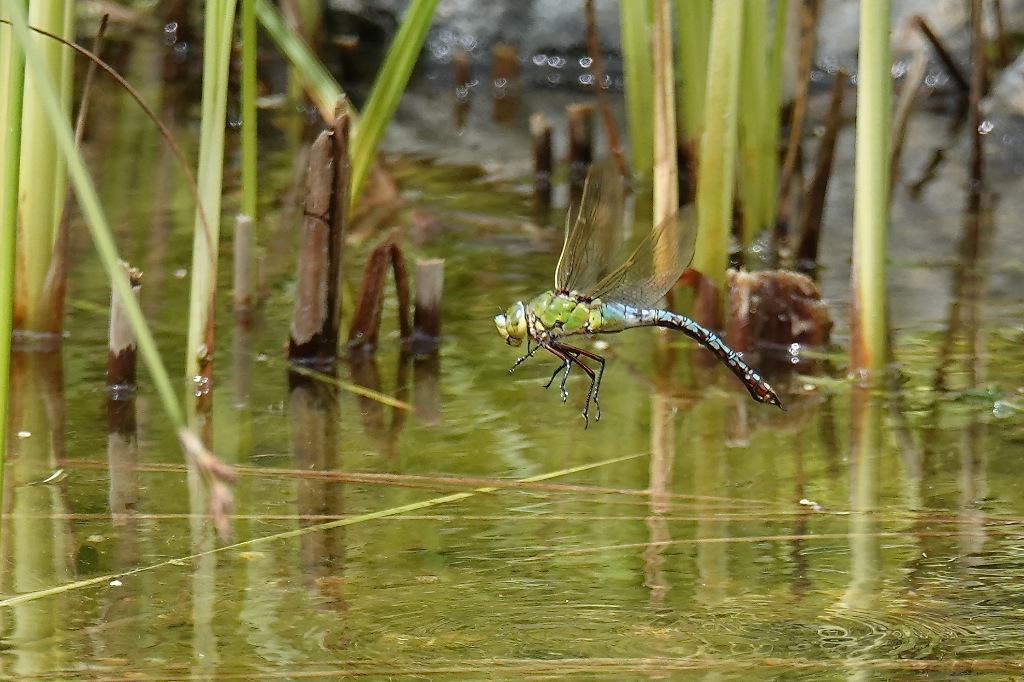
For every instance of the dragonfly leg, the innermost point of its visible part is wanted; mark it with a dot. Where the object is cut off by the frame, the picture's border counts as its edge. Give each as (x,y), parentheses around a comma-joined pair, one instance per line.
(574,354)
(529,354)
(564,368)
(595,378)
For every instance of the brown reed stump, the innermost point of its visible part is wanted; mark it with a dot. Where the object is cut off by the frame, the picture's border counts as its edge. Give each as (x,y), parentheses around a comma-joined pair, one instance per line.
(580,120)
(426,321)
(317,312)
(540,133)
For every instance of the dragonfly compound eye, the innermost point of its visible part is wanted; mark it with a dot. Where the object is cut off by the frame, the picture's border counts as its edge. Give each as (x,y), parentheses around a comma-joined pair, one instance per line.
(512,324)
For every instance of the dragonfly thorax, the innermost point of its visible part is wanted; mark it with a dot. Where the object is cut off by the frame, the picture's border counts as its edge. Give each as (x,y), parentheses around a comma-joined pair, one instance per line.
(554,314)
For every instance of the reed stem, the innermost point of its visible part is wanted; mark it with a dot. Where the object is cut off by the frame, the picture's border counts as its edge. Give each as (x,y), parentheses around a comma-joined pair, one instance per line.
(12,92)
(694,30)
(387,89)
(755,160)
(666,164)
(580,124)
(42,174)
(717,156)
(248,109)
(206,234)
(316,79)
(121,343)
(317,313)
(871,192)
(242,279)
(540,132)
(635,24)
(426,321)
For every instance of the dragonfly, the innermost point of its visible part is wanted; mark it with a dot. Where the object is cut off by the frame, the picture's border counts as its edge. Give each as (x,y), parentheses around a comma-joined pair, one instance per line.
(591,297)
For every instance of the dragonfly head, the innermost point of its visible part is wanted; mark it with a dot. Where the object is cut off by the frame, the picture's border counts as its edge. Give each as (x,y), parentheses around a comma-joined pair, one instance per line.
(511,324)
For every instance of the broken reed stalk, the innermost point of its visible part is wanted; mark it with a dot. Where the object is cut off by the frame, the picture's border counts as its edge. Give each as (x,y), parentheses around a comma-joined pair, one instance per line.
(978,86)
(580,121)
(365,327)
(462,87)
(505,69)
(462,74)
(940,50)
(505,82)
(122,428)
(243,262)
(401,275)
(317,312)
(426,320)
(1002,42)
(362,335)
(927,173)
(814,205)
(914,79)
(121,342)
(594,52)
(540,132)
(809,11)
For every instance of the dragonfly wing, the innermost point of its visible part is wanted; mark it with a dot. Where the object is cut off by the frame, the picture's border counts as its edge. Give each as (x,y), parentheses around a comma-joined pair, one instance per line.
(593,232)
(656,264)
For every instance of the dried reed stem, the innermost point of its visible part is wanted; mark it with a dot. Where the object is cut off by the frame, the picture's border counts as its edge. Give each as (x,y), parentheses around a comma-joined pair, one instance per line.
(580,121)
(243,262)
(814,207)
(317,313)
(426,319)
(540,132)
(121,343)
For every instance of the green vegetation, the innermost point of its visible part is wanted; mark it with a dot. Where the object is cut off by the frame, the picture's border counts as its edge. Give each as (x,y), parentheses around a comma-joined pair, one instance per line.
(89,202)
(218,36)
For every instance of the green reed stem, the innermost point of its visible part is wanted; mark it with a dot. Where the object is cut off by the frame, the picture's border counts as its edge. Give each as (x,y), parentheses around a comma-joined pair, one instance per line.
(316,79)
(693,28)
(10,135)
(717,155)
(635,21)
(41,173)
(248,109)
(384,95)
(773,118)
(12,96)
(871,191)
(218,34)
(89,202)
(387,90)
(753,119)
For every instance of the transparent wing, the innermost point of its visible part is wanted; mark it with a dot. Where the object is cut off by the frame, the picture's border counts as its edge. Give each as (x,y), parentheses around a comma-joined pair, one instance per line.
(654,266)
(593,232)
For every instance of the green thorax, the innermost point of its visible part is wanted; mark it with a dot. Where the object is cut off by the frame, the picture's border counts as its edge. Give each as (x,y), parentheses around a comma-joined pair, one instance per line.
(554,314)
